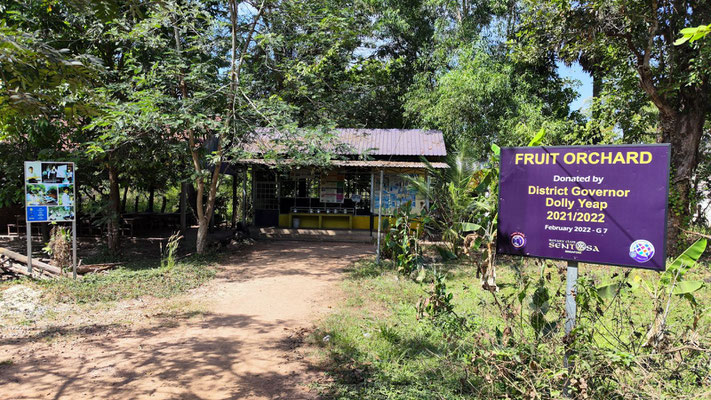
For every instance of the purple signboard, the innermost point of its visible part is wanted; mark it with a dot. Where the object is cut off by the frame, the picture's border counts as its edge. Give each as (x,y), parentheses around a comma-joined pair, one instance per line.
(596,204)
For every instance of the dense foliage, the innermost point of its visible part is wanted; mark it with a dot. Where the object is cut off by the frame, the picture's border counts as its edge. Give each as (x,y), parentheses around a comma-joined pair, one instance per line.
(442,337)
(137,92)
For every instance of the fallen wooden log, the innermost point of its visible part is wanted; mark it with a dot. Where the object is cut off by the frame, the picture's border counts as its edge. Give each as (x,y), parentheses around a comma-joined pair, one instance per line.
(43,267)
(16,268)
(9,264)
(85,269)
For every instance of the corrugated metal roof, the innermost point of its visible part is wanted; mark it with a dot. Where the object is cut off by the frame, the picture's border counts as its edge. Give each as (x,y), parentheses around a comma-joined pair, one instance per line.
(354,163)
(395,142)
(377,142)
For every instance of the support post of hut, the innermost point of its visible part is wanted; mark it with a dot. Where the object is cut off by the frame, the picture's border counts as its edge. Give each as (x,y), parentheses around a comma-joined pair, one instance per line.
(244,197)
(151,199)
(123,199)
(277,183)
(372,200)
(234,200)
(427,199)
(183,208)
(380,219)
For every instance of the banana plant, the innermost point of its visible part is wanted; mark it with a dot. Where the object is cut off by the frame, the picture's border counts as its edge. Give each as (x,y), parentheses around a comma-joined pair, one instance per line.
(671,283)
(486,212)
(450,192)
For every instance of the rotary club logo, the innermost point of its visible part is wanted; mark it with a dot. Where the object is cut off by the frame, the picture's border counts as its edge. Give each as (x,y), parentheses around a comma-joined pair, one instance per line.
(518,240)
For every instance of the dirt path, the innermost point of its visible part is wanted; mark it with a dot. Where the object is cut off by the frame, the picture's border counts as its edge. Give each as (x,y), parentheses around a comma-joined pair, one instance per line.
(243,348)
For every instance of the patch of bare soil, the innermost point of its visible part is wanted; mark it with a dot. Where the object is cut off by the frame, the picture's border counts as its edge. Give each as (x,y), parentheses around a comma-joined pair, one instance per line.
(244,343)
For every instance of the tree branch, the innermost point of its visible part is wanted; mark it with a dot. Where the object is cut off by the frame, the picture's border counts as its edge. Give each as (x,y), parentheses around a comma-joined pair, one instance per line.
(643,62)
(237,70)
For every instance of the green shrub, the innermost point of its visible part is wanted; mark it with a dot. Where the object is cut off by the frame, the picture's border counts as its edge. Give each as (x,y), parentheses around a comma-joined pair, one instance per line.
(401,241)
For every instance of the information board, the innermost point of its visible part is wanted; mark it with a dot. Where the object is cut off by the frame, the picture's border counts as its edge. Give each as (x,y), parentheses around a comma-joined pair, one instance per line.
(49,191)
(396,192)
(596,204)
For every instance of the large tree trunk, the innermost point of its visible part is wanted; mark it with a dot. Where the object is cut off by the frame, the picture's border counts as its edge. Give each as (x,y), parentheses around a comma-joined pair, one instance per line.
(683,130)
(113,211)
(205,211)
(202,235)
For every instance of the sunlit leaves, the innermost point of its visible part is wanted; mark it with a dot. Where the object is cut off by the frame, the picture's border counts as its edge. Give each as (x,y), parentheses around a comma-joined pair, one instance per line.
(693,34)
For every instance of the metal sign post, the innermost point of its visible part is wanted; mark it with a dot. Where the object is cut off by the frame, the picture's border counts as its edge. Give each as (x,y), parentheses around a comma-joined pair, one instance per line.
(29,247)
(570,304)
(571,309)
(380,217)
(74,248)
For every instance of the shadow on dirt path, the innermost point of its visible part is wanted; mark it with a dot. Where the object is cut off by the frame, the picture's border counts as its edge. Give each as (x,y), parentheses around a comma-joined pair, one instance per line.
(263,300)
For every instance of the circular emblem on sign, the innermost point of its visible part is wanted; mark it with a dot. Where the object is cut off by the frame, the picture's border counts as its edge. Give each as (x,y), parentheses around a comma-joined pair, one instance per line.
(641,250)
(580,246)
(518,240)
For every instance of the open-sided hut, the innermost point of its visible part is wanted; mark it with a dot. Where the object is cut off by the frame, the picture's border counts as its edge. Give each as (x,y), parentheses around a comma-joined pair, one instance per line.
(345,195)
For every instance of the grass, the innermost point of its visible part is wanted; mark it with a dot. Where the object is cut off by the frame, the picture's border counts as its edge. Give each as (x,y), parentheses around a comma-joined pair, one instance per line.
(69,308)
(131,280)
(379,349)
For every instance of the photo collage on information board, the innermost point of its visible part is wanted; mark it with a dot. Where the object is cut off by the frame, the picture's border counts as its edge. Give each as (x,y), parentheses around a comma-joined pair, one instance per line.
(396,192)
(49,191)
